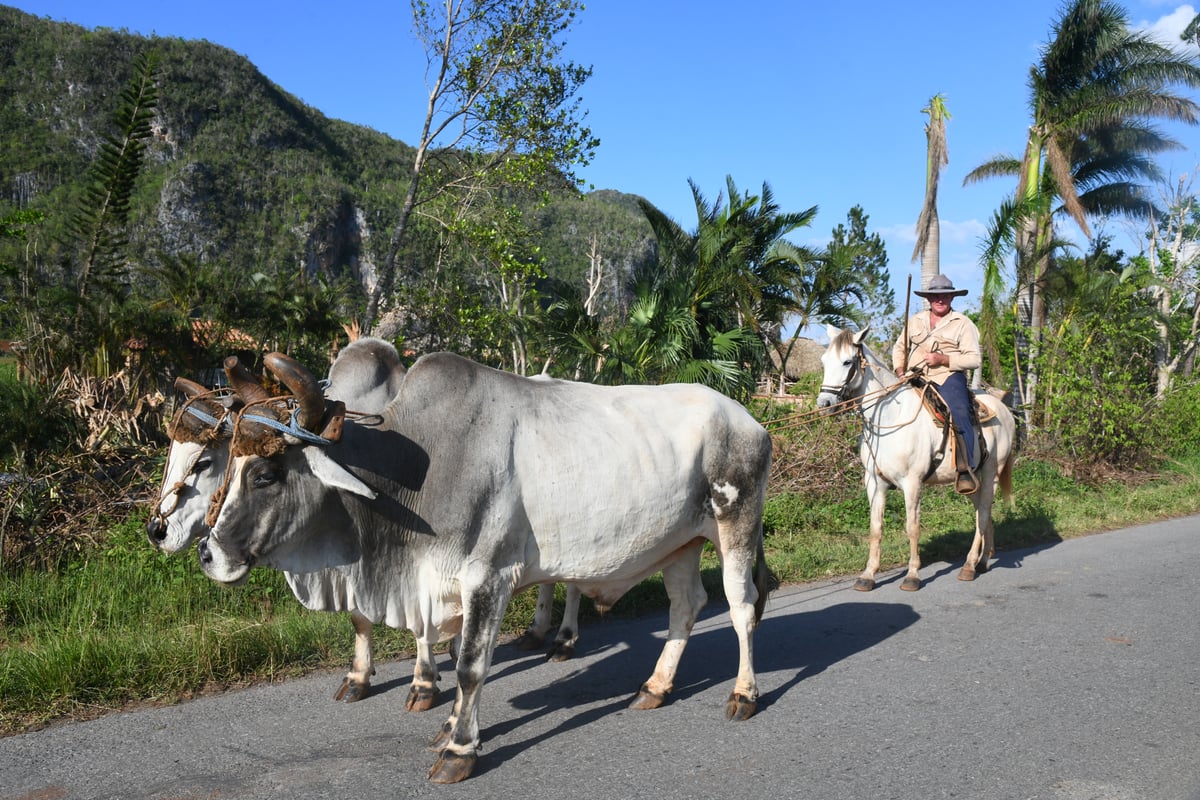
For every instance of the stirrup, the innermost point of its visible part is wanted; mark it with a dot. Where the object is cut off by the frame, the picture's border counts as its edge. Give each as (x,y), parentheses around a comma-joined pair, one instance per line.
(966,483)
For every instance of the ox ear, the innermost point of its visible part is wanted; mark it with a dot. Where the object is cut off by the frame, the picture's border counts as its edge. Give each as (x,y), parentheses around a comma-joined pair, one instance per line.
(333,474)
(861,335)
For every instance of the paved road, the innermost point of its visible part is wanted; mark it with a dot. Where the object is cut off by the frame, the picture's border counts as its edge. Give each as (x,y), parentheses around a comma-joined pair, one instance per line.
(1069,672)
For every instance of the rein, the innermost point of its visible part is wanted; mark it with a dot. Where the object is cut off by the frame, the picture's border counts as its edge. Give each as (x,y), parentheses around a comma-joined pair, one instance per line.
(843,404)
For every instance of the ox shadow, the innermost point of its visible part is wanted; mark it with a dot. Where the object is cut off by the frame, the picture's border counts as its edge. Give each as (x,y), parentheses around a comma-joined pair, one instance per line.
(617,656)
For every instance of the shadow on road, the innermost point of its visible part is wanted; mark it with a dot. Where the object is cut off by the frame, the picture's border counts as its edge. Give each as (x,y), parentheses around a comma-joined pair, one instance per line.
(620,656)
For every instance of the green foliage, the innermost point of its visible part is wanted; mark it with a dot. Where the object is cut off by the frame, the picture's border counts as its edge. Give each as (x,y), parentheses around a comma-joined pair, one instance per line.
(1097,370)
(32,424)
(1177,420)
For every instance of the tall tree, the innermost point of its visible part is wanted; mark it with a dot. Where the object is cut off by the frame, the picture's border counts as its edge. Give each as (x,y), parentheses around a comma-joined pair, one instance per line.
(1094,93)
(1173,262)
(502,107)
(101,219)
(928,246)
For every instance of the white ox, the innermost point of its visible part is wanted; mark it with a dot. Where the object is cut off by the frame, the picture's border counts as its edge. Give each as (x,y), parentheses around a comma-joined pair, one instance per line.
(366,375)
(476,483)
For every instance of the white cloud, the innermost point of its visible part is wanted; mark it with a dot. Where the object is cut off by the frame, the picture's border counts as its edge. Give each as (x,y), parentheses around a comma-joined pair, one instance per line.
(1167,29)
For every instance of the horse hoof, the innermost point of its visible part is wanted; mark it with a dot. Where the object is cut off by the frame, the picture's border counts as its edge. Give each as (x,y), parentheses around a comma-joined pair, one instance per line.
(864,585)
(910,584)
(739,707)
(982,566)
(421,698)
(966,574)
(452,767)
(646,699)
(352,690)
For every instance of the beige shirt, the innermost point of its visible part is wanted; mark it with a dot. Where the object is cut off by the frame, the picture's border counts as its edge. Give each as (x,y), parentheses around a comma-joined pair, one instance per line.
(955,335)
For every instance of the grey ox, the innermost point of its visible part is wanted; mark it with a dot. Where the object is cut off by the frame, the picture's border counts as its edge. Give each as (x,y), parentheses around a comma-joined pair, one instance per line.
(474,483)
(366,375)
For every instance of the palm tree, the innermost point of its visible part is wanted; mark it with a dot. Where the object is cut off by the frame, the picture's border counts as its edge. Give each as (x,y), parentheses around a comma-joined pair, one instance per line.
(928,247)
(1093,94)
(742,268)
(714,299)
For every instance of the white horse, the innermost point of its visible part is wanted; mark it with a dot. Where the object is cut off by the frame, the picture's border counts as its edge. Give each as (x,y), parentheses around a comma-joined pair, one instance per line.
(366,375)
(902,446)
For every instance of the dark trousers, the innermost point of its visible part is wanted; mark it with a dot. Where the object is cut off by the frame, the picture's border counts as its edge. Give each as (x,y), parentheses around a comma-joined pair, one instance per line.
(957,395)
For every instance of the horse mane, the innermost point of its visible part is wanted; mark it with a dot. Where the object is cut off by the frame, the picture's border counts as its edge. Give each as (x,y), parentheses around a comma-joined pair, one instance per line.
(845,339)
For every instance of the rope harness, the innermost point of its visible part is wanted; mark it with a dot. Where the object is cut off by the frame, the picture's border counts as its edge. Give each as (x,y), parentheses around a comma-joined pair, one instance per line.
(214,428)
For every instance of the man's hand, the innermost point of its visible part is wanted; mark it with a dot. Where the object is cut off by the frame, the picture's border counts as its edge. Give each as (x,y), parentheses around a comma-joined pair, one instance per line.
(937,360)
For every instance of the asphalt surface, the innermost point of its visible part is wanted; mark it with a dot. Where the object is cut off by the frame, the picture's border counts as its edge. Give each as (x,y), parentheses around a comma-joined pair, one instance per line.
(1068,672)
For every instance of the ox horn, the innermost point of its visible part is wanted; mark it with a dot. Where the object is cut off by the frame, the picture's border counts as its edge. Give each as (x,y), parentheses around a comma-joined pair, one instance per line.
(303,385)
(243,382)
(189,388)
(186,427)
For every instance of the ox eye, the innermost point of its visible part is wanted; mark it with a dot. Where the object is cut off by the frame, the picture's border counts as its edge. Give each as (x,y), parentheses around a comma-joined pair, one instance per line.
(264,478)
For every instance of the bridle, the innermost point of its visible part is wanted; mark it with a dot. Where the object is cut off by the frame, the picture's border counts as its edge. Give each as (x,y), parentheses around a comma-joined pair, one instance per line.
(857,369)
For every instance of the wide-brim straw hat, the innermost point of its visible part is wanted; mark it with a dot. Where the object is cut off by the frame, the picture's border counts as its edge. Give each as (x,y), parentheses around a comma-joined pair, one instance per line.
(941,285)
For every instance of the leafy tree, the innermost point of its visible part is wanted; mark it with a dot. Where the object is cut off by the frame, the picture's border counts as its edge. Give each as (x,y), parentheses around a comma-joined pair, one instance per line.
(101,221)
(1097,360)
(502,108)
(1173,263)
(928,246)
(1094,92)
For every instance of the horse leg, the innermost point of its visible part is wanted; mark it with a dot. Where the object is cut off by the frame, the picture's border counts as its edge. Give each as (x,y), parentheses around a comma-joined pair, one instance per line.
(912,527)
(982,544)
(877,493)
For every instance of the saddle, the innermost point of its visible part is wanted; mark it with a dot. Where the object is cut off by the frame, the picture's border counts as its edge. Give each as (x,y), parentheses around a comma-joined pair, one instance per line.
(940,412)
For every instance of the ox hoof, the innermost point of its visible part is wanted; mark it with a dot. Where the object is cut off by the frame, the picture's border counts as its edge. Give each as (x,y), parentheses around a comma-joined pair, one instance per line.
(352,690)
(966,574)
(529,641)
(646,699)
(864,585)
(442,739)
(452,767)
(739,707)
(421,698)
(910,584)
(561,651)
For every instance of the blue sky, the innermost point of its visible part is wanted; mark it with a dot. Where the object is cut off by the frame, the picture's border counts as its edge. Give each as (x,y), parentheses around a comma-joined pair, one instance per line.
(820,100)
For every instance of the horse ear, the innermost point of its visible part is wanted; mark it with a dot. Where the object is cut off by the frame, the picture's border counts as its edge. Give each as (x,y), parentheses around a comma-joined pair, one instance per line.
(831,331)
(861,335)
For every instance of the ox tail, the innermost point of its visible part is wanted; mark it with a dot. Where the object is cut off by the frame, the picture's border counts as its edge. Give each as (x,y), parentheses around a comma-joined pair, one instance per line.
(764,581)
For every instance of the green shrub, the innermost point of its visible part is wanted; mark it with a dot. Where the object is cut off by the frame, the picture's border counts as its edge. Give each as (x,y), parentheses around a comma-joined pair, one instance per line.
(31,423)
(1178,421)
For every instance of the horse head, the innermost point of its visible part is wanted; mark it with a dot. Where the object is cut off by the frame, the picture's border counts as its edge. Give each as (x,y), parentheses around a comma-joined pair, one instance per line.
(845,367)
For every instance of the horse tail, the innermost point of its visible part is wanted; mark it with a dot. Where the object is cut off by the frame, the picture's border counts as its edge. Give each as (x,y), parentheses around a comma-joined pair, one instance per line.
(1005,477)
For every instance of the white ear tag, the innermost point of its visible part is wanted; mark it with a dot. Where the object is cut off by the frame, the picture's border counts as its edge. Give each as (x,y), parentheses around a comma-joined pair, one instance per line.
(334,474)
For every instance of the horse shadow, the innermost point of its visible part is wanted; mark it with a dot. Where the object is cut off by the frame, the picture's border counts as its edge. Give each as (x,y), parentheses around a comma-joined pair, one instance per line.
(790,640)
(1021,533)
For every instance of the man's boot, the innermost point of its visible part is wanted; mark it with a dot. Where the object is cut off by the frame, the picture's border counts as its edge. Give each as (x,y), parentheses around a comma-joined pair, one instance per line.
(966,483)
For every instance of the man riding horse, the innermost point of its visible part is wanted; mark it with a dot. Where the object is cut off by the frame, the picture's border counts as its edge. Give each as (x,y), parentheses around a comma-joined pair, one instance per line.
(945,344)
